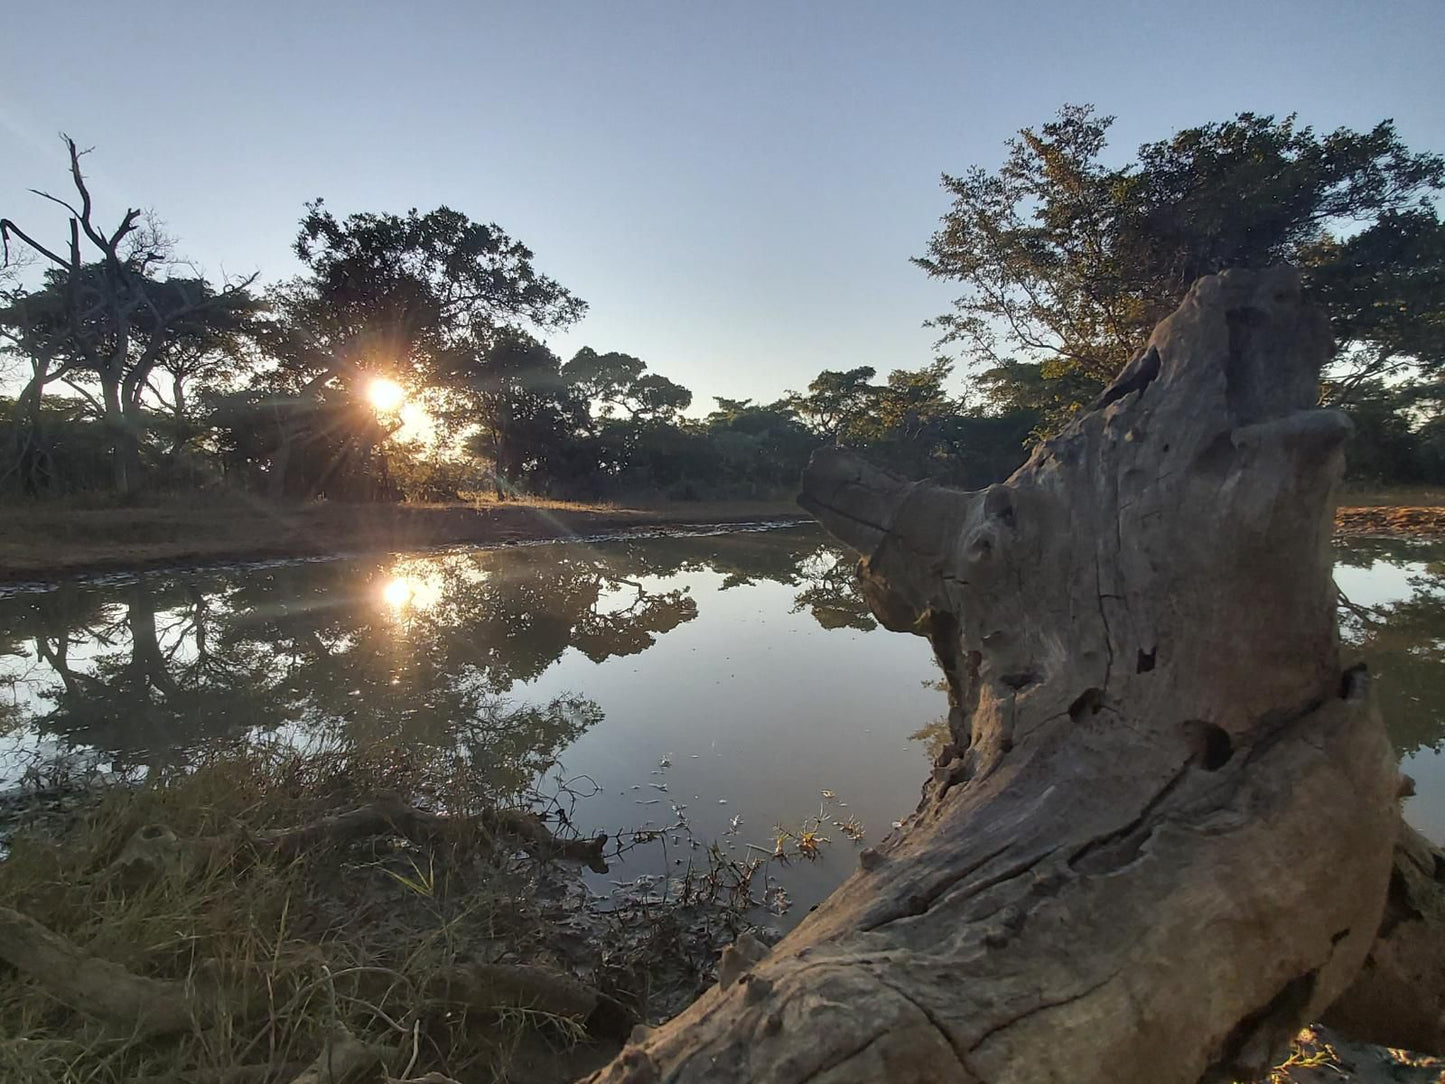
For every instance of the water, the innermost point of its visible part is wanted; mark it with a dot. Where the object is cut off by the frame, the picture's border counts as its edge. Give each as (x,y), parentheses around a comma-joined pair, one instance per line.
(1396,624)
(736,676)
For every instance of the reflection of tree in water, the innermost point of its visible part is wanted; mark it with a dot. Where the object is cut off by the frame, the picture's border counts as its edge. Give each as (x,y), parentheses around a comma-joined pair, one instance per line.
(1403,642)
(831,593)
(417,650)
(433,650)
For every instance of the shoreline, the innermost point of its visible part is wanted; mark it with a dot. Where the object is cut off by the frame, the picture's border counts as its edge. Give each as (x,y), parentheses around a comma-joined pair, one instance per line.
(54,545)
(1425,522)
(65,544)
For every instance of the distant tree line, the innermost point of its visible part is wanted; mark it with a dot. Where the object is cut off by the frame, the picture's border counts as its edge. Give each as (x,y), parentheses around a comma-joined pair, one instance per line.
(133,374)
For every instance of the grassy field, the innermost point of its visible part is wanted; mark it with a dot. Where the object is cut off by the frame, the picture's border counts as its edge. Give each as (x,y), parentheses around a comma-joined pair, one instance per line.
(60,539)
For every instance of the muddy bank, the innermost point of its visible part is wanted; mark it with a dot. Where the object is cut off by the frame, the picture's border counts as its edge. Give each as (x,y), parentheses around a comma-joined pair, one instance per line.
(37,542)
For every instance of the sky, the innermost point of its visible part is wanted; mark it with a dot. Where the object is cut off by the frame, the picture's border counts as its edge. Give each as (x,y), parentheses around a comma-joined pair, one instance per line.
(736,189)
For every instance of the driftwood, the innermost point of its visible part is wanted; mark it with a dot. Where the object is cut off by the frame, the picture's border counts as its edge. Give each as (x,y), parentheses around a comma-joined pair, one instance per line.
(344,1058)
(542,989)
(129,1004)
(154,850)
(1160,838)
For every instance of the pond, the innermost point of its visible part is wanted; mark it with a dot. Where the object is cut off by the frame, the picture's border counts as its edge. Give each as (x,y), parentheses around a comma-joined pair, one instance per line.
(732,680)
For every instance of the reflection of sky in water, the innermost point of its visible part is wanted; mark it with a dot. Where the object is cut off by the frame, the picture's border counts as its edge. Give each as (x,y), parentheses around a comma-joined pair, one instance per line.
(733,675)
(1402,583)
(701,652)
(761,709)
(1378,585)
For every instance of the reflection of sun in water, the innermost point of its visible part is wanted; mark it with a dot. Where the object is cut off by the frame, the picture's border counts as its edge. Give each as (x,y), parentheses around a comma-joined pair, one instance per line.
(404,593)
(385,394)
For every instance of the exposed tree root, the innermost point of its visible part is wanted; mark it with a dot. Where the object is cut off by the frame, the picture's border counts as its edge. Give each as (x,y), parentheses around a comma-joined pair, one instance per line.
(127,1003)
(155,850)
(344,1058)
(494,986)
(1398,998)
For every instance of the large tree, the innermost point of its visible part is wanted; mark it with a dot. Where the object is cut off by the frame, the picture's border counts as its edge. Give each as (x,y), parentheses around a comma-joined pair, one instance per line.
(417,298)
(1067,260)
(528,416)
(614,381)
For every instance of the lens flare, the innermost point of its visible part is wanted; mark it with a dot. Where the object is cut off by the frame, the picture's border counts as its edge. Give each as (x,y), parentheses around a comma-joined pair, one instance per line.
(411,589)
(385,394)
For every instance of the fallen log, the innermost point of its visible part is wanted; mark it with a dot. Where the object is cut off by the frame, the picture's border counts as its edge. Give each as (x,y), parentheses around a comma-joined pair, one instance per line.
(154,850)
(1159,839)
(127,1003)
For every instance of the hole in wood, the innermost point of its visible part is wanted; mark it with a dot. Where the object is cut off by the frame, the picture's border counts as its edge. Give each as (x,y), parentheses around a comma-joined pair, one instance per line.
(1354,682)
(1146,661)
(1086,703)
(1211,743)
(998,504)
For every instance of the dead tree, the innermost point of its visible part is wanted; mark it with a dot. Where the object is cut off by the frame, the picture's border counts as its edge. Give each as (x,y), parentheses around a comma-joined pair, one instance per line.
(106,317)
(1161,835)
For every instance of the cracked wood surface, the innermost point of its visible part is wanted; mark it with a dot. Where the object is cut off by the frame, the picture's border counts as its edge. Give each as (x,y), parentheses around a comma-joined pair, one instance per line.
(1160,837)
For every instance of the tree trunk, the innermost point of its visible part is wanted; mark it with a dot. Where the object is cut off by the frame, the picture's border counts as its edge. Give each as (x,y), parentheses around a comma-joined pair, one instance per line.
(121,437)
(1160,837)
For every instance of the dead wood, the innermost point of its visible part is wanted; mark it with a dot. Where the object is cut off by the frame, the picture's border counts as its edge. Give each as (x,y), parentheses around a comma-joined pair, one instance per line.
(344,1058)
(523,986)
(128,1003)
(154,850)
(1160,837)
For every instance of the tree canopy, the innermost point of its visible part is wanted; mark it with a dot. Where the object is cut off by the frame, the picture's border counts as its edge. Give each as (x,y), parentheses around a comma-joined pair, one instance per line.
(1067,260)
(409,358)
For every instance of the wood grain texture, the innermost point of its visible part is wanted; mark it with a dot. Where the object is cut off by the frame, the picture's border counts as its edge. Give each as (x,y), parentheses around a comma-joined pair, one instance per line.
(1160,838)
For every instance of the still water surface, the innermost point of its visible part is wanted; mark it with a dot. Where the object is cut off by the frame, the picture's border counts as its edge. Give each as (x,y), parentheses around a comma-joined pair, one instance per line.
(736,676)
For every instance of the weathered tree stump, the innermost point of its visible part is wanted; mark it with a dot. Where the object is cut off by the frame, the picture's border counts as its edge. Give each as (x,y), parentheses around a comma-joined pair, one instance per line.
(1160,838)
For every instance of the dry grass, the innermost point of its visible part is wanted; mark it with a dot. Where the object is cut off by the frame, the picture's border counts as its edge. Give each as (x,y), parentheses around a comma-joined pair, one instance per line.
(350,939)
(343,938)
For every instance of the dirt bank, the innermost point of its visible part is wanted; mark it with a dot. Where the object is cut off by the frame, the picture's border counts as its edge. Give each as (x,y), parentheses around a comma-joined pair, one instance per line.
(1398,521)
(39,542)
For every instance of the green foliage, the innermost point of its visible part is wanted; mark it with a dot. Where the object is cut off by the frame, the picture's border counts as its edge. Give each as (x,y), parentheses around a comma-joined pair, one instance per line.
(1065,258)
(1068,262)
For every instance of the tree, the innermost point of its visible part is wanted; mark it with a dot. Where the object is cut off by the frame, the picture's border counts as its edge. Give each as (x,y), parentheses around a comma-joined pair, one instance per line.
(760,449)
(108,320)
(1068,262)
(836,401)
(417,298)
(527,414)
(614,380)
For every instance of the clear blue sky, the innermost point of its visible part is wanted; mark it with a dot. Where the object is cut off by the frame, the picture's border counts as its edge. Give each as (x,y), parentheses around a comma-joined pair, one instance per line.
(735,188)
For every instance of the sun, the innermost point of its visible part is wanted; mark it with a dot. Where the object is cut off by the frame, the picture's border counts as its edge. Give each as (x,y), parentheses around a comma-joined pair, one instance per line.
(385,394)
